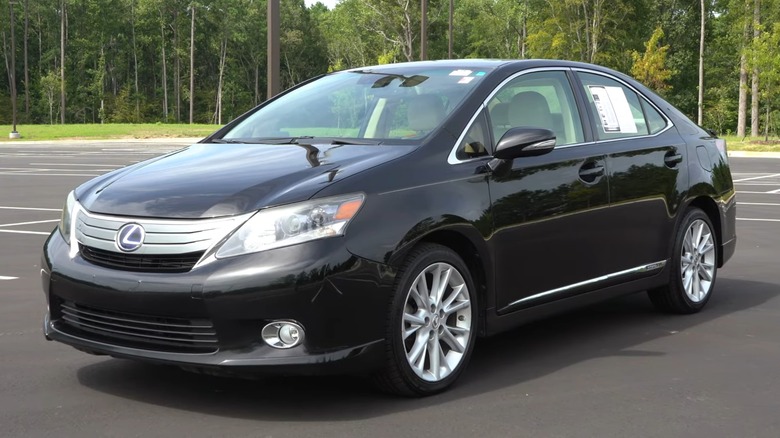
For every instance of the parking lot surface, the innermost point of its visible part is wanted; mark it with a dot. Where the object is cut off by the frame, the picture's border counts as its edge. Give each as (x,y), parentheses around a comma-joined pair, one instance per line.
(615,369)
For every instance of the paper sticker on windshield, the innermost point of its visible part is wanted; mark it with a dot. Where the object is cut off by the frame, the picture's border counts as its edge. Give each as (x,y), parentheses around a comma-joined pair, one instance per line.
(613,109)
(460,73)
(466,80)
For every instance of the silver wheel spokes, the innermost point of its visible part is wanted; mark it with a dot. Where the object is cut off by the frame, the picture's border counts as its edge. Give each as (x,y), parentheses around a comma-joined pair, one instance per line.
(437,322)
(697,263)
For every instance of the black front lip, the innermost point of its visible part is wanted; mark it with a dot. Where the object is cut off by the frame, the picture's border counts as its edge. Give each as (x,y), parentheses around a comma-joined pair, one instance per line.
(357,359)
(339,299)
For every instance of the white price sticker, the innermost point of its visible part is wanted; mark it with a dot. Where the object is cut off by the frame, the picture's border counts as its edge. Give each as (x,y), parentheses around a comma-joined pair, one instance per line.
(612,107)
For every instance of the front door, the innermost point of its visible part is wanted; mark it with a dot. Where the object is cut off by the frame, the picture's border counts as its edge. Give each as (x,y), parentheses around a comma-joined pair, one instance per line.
(548,211)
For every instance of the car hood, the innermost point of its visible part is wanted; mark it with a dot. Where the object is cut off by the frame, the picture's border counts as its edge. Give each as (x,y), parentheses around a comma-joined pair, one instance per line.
(210,180)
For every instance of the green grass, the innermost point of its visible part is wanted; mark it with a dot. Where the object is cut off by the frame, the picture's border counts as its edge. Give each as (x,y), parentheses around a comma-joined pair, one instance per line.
(755,144)
(105,131)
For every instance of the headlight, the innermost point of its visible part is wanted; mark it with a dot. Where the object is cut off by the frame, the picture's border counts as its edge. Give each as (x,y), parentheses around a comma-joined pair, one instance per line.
(65,226)
(292,224)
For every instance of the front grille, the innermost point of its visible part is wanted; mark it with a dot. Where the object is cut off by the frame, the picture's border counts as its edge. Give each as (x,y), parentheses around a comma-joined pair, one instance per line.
(141,262)
(169,245)
(139,331)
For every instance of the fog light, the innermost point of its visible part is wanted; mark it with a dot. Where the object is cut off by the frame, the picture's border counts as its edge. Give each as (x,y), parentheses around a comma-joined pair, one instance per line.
(283,334)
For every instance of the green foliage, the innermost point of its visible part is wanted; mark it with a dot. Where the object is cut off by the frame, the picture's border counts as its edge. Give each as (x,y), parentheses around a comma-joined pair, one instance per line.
(650,67)
(107,38)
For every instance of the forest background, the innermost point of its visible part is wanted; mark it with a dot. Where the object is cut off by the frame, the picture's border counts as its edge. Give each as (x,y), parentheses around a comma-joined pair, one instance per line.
(129,61)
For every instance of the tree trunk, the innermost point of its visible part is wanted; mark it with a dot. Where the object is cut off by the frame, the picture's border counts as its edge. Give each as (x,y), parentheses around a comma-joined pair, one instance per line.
(257,83)
(177,66)
(701,64)
(192,64)
(222,58)
(64,14)
(754,99)
(164,69)
(525,30)
(26,67)
(742,106)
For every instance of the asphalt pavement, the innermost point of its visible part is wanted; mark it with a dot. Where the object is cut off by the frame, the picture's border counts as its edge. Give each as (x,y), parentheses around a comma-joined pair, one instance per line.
(617,369)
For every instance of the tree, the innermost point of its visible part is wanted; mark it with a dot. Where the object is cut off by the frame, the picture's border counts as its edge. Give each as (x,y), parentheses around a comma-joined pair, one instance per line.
(650,67)
(49,85)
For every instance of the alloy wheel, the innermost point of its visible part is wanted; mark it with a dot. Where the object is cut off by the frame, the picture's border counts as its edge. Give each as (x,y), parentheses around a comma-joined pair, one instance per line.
(436,323)
(697,262)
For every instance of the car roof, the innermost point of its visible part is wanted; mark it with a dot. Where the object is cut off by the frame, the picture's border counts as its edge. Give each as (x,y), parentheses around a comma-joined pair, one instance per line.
(493,64)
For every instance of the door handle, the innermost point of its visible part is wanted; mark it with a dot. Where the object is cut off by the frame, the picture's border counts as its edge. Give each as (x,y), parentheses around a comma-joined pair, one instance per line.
(672,159)
(589,174)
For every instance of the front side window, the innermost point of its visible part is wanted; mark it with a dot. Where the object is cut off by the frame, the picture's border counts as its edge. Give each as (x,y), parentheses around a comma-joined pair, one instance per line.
(541,100)
(377,104)
(618,112)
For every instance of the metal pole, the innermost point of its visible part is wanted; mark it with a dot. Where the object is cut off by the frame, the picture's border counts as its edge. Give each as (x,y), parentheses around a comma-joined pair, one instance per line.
(12,73)
(449,48)
(424,30)
(192,63)
(273,48)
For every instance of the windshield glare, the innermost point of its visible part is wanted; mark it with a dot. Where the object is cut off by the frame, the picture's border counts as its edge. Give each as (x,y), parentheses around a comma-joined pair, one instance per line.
(389,104)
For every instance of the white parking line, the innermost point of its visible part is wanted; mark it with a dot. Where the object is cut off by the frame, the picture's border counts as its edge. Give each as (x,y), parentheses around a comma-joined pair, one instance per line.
(759,203)
(28,223)
(774,191)
(73,164)
(759,184)
(29,208)
(40,233)
(7,278)
(47,174)
(756,193)
(757,177)
(757,219)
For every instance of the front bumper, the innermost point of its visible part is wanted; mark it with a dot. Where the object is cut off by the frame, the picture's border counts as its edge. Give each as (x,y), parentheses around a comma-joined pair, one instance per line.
(339,299)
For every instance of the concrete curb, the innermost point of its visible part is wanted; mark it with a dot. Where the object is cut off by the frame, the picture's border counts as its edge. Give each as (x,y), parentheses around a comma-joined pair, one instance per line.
(751,154)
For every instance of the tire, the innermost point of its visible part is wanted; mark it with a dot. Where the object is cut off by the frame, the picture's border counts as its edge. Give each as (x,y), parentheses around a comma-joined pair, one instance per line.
(694,267)
(423,318)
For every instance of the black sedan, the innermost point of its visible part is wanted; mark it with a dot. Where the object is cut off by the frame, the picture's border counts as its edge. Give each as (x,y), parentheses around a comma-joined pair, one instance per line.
(380,220)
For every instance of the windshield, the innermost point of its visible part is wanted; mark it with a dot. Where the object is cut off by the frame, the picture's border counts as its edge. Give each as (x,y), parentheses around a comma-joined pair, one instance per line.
(375,105)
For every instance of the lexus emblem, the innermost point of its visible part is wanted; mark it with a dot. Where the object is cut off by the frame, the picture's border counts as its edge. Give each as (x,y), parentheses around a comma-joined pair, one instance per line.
(130,237)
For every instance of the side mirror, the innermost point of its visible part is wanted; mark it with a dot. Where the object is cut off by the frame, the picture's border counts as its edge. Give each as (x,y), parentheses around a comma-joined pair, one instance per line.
(524,142)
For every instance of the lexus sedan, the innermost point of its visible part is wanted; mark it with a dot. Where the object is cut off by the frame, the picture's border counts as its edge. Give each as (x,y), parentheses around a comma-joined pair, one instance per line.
(380,220)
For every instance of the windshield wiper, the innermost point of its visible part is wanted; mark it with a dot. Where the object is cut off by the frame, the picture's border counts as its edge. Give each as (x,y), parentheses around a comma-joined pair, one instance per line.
(225,140)
(354,142)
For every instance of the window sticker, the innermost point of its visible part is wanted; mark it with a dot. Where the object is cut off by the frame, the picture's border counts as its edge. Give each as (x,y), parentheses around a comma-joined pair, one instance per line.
(466,80)
(613,109)
(460,73)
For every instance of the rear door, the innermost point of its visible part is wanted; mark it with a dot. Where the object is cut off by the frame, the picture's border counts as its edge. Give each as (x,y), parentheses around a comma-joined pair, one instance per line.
(647,166)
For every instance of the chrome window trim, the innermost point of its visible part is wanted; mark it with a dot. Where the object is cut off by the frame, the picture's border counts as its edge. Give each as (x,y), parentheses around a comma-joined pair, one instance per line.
(453,156)
(453,159)
(643,268)
(669,122)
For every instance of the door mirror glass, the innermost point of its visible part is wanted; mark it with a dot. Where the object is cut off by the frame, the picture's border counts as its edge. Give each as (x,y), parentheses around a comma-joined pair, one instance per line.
(525,142)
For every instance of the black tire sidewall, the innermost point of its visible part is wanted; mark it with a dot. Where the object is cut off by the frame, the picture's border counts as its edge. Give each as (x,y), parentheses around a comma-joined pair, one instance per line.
(423,257)
(693,215)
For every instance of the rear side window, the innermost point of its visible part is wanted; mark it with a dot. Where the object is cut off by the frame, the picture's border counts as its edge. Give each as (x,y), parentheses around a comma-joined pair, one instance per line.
(655,121)
(618,111)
